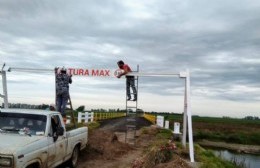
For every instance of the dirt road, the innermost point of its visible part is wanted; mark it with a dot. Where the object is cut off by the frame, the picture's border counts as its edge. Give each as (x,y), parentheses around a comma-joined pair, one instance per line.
(118,124)
(104,152)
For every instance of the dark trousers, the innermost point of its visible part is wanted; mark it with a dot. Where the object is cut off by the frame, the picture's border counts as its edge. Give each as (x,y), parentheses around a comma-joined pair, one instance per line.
(130,82)
(62,101)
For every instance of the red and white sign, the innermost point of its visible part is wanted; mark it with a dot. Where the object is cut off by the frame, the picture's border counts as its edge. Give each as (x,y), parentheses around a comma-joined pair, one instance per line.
(92,72)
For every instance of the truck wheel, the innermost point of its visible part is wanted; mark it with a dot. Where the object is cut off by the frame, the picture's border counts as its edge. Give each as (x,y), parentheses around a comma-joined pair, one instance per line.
(35,165)
(73,162)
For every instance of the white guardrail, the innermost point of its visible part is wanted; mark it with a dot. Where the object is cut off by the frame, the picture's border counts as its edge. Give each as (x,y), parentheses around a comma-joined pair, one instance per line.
(85,116)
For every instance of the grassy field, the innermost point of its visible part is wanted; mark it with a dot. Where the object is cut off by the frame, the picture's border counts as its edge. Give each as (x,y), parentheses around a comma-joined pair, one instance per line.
(229,130)
(206,158)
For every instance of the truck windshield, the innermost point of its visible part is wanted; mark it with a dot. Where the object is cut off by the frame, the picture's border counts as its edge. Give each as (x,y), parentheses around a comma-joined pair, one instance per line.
(30,124)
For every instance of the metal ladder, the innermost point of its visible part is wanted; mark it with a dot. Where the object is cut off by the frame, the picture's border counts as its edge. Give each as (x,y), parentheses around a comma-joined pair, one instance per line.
(69,107)
(131,114)
(70,110)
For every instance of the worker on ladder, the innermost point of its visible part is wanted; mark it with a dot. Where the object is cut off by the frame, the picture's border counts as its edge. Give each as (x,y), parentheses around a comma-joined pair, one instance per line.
(62,90)
(130,80)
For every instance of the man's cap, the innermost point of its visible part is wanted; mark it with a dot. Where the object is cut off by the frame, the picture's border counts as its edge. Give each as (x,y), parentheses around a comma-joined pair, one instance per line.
(63,69)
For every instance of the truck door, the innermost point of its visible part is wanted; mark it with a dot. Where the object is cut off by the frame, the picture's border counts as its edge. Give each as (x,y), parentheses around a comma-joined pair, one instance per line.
(58,145)
(51,152)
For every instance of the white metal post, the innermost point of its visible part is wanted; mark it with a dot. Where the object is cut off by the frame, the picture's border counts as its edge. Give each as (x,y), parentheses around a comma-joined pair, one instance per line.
(184,125)
(188,95)
(4,89)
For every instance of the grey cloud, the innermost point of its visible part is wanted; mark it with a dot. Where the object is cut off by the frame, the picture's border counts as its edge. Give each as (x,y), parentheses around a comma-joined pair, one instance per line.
(165,36)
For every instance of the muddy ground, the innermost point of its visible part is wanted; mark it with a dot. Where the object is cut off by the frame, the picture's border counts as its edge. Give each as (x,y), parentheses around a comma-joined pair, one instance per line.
(107,147)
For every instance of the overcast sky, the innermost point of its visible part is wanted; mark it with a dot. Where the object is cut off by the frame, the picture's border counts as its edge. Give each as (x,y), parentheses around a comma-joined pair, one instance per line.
(218,41)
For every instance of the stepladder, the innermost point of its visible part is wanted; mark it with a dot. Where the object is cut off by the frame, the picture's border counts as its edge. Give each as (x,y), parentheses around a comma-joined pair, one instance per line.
(131,109)
(69,109)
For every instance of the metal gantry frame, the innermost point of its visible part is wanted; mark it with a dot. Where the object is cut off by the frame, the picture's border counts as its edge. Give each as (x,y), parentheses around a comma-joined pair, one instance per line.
(187,117)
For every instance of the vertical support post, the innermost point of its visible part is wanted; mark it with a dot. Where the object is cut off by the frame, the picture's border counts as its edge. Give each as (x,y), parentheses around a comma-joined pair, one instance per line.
(184,125)
(4,88)
(188,95)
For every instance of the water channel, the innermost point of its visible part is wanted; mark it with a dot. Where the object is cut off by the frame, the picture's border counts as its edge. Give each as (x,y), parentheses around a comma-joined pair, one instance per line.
(251,161)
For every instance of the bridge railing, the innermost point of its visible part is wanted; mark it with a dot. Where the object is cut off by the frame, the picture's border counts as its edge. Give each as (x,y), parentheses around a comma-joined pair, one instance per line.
(107,115)
(150,117)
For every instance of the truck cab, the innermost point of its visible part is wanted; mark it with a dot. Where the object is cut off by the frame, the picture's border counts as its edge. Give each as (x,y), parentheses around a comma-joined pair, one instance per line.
(38,139)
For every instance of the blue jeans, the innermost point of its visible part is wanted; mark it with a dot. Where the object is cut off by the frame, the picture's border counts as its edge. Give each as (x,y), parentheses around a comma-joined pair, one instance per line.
(130,82)
(62,101)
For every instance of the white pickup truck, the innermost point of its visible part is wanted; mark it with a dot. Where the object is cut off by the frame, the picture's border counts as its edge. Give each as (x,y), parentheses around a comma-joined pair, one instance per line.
(38,139)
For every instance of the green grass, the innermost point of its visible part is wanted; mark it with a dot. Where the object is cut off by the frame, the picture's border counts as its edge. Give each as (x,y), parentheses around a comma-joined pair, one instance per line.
(179,118)
(205,157)
(239,138)
(209,160)
(164,134)
(230,130)
(93,125)
(225,120)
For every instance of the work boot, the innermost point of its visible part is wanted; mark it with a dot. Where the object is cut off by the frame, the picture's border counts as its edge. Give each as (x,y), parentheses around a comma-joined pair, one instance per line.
(129,98)
(135,99)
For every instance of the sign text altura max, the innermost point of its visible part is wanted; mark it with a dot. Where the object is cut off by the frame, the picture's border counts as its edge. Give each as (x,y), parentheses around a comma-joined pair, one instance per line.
(89,72)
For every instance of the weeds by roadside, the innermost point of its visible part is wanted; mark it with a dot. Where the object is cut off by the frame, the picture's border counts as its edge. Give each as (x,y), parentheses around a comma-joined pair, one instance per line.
(162,152)
(209,160)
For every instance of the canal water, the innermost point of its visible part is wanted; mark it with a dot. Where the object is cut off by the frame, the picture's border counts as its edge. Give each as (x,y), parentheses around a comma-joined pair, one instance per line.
(251,161)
